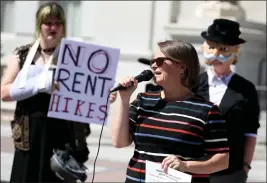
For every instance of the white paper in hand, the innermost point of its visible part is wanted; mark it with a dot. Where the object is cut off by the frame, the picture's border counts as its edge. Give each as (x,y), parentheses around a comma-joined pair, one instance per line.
(154,173)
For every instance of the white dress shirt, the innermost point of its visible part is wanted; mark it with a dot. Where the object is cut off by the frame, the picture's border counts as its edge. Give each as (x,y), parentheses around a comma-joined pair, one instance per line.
(217,86)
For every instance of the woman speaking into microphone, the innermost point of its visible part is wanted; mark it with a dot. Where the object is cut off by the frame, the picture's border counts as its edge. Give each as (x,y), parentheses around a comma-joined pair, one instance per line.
(174,126)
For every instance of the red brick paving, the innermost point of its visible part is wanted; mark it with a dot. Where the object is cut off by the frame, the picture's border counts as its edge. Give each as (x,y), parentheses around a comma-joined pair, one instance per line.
(7,144)
(115,170)
(109,176)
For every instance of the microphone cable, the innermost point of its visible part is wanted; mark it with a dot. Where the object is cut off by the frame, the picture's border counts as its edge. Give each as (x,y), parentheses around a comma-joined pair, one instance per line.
(144,76)
(99,141)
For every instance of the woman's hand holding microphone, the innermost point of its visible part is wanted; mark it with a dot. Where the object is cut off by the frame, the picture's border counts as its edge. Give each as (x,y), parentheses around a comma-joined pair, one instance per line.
(130,84)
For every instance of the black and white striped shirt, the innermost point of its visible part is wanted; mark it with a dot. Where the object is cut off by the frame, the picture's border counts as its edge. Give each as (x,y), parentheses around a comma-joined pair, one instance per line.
(189,129)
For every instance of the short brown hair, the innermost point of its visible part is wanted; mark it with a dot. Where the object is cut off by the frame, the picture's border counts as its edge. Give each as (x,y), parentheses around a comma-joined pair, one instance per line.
(184,52)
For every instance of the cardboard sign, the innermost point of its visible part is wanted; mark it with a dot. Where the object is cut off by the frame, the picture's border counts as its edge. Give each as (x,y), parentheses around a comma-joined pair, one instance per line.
(85,73)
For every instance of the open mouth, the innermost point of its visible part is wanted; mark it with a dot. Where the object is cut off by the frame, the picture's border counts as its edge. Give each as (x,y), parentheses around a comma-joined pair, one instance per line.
(53,33)
(157,73)
(216,62)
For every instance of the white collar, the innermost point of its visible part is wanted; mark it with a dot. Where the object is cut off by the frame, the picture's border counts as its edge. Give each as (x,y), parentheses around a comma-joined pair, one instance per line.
(212,77)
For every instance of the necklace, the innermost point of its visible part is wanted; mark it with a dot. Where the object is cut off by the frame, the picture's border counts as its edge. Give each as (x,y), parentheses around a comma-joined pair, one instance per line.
(47,50)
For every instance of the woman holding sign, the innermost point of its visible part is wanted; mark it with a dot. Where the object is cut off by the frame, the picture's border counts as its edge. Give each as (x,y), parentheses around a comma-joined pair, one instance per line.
(173,127)
(29,83)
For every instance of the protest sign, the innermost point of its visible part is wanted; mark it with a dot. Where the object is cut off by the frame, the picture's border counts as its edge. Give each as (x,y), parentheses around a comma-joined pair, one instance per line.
(85,73)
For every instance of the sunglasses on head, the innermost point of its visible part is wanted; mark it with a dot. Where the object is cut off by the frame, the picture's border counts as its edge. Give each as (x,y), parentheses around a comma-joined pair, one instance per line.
(159,61)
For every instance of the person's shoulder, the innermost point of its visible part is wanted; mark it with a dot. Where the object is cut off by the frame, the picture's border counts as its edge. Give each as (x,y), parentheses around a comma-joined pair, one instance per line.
(19,55)
(148,95)
(203,78)
(243,81)
(243,85)
(22,49)
(201,101)
(203,75)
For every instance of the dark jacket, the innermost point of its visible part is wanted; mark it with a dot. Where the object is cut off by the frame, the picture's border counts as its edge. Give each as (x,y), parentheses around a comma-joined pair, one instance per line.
(240,107)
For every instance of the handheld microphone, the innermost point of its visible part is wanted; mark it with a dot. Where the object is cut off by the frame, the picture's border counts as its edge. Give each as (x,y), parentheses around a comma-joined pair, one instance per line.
(146,75)
(144,61)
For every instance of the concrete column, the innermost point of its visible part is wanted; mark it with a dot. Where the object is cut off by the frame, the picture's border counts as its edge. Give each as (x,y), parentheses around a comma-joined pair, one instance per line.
(162,18)
(123,24)
(25,16)
(88,20)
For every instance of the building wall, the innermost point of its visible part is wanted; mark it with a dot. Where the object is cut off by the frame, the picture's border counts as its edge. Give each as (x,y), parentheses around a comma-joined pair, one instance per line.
(255,11)
(133,26)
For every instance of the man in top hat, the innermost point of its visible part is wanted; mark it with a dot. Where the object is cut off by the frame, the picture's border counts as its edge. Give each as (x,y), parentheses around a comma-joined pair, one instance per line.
(236,97)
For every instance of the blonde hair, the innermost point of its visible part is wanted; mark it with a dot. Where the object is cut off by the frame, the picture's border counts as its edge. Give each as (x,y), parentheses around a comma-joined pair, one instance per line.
(49,10)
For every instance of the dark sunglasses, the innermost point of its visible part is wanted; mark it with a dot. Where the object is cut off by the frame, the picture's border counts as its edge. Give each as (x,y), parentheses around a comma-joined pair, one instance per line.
(159,61)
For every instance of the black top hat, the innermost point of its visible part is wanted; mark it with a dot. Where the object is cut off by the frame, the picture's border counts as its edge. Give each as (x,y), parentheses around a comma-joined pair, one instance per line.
(223,31)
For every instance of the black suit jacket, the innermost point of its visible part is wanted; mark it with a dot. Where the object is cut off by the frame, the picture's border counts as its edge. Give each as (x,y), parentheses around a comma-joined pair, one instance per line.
(241,110)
